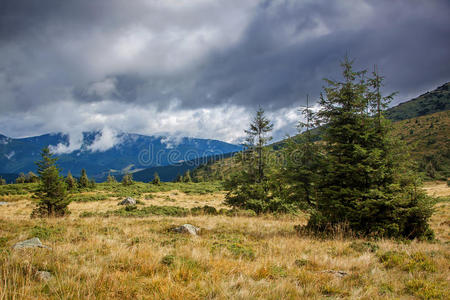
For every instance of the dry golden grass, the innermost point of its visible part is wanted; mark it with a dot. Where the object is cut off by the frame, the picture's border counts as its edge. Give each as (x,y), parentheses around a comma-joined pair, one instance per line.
(234,257)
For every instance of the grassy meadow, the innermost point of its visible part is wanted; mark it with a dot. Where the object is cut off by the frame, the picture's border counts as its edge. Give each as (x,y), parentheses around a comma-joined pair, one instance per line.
(103,251)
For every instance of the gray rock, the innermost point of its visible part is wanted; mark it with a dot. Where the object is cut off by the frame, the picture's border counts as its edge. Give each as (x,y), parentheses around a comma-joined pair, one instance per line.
(187,228)
(4,203)
(128,201)
(31,243)
(337,273)
(43,276)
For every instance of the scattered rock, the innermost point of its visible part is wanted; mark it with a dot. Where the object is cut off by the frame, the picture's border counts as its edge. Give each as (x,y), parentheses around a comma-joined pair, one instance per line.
(187,228)
(4,203)
(31,243)
(128,201)
(337,273)
(43,275)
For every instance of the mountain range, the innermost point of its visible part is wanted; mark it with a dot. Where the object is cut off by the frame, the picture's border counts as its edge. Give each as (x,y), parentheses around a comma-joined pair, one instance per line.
(130,153)
(144,155)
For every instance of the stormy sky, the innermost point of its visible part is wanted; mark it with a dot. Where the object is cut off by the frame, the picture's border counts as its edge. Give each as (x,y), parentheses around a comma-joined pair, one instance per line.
(200,68)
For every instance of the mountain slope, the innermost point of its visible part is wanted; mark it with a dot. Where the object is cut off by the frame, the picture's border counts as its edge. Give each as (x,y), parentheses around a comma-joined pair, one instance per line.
(428,103)
(132,152)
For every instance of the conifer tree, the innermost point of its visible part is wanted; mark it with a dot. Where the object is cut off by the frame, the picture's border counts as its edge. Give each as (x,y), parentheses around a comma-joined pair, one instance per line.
(303,159)
(84,179)
(2,181)
(21,178)
(187,176)
(367,182)
(127,179)
(70,181)
(179,178)
(111,178)
(156,179)
(92,183)
(31,177)
(249,187)
(52,190)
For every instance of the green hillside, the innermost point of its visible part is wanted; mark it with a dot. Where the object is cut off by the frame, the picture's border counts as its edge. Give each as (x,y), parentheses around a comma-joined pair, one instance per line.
(428,103)
(428,139)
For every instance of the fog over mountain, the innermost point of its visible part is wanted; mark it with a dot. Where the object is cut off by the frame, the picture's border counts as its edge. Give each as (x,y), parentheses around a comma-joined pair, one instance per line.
(200,68)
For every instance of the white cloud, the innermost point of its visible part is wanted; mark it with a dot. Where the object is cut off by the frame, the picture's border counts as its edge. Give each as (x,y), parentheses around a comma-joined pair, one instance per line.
(107,139)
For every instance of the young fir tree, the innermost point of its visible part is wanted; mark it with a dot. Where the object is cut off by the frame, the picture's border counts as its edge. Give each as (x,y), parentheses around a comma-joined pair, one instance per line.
(31,177)
(21,178)
(367,182)
(179,178)
(70,181)
(302,162)
(249,187)
(84,179)
(52,190)
(111,178)
(127,179)
(156,179)
(187,176)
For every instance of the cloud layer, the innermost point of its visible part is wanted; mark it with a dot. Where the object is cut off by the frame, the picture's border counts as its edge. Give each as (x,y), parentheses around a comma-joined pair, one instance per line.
(201,67)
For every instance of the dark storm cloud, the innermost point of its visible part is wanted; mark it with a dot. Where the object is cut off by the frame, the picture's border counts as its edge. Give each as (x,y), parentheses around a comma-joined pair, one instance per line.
(179,56)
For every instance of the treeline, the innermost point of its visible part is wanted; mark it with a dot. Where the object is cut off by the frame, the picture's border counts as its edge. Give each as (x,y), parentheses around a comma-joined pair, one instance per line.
(357,177)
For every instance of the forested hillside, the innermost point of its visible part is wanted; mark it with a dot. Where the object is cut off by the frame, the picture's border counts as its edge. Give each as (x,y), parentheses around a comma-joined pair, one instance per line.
(428,103)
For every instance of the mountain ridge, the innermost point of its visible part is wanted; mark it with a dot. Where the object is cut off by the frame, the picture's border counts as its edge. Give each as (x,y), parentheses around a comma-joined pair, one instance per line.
(131,152)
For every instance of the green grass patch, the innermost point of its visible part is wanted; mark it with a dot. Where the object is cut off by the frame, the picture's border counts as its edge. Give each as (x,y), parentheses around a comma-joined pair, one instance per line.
(18,189)
(89,198)
(426,289)
(47,232)
(417,261)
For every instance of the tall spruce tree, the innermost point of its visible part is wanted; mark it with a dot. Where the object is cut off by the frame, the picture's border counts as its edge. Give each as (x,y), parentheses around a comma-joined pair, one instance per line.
(302,163)
(367,182)
(249,187)
(52,190)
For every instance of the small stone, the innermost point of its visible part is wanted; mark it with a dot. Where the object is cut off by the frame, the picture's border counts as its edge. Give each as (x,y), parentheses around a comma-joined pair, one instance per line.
(43,275)
(337,273)
(4,203)
(31,243)
(187,228)
(128,201)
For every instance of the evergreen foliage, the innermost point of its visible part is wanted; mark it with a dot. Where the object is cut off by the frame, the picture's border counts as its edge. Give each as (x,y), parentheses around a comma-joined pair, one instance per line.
(127,179)
(249,188)
(111,178)
(21,178)
(70,181)
(187,176)
(52,190)
(367,182)
(302,166)
(156,179)
(84,179)
(179,178)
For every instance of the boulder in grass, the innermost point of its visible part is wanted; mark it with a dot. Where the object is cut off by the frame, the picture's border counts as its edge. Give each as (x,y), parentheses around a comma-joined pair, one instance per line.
(43,276)
(128,201)
(4,203)
(187,228)
(31,243)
